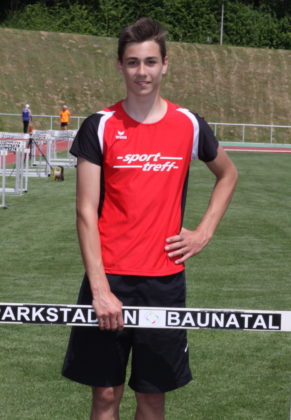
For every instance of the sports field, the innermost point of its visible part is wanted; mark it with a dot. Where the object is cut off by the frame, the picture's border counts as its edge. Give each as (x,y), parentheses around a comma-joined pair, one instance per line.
(237,375)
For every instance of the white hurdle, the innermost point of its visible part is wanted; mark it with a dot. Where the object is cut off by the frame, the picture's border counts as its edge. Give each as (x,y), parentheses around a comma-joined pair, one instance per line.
(39,147)
(35,155)
(15,143)
(67,137)
(51,138)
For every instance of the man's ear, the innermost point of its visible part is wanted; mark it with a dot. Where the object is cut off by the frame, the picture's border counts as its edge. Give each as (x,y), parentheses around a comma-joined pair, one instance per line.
(119,66)
(165,65)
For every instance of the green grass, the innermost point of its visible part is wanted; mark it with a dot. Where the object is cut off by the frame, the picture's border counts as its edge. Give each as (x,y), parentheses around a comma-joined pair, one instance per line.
(237,375)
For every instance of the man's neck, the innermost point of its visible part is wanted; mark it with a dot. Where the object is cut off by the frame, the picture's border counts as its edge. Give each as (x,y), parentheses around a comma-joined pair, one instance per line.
(145,110)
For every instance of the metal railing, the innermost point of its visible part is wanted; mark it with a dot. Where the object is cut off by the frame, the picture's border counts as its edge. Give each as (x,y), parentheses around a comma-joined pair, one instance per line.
(240,132)
(39,121)
(270,129)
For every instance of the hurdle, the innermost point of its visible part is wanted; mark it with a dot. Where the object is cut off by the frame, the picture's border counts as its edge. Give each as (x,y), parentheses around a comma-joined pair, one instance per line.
(149,317)
(39,144)
(54,140)
(61,140)
(15,143)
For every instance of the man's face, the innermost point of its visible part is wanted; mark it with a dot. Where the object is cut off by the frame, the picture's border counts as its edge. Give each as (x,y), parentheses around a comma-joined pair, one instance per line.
(142,67)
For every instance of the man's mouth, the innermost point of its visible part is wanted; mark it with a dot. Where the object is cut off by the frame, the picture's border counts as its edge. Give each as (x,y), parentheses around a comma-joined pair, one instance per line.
(142,82)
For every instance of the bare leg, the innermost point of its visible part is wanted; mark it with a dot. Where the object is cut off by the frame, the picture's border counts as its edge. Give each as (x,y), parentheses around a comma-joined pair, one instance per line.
(150,406)
(105,403)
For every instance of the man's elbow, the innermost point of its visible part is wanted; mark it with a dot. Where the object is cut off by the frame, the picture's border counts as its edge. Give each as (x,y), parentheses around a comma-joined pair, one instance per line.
(229,177)
(86,214)
(234,175)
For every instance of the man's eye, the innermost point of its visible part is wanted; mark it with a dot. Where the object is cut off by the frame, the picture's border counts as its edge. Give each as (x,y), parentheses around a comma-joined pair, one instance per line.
(151,62)
(131,63)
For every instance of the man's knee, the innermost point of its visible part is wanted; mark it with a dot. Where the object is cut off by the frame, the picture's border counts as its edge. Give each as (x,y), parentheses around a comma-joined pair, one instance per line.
(151,402)
(105,398)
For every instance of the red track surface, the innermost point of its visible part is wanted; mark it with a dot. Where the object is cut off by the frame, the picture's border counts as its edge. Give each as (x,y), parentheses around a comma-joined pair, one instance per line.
(62,145)
(271,149)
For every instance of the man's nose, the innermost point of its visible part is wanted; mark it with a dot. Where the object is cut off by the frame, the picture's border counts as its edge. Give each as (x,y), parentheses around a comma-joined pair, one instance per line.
(141,68)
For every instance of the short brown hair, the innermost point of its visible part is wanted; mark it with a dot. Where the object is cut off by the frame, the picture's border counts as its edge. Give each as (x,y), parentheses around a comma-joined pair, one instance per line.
(145,29)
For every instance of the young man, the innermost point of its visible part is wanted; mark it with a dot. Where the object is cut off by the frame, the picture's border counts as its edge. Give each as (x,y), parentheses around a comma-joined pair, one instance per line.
(133,162)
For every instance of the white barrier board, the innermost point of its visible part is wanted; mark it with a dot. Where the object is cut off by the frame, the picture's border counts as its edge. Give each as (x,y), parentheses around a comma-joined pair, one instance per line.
(149,317)
(12,145)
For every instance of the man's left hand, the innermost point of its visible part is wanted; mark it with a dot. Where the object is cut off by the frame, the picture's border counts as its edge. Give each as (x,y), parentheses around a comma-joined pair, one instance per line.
(186,244)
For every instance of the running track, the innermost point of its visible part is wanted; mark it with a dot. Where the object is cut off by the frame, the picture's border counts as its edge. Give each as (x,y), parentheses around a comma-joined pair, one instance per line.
(61,145)
(256,147)
(228,146)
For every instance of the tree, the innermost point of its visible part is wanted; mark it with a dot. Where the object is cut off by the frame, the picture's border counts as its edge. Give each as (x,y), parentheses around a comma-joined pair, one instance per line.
(255,23)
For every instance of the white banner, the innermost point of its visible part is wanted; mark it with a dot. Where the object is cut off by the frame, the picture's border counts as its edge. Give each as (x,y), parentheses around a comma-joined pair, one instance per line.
(149,317)
(12,145)
(13,136)
(39,135)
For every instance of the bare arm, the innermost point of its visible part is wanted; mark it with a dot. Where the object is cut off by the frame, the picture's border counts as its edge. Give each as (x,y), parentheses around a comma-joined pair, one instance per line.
(188,242)
(107,306)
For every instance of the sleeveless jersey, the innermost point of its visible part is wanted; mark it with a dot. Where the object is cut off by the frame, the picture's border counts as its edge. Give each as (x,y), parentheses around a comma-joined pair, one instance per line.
(144,179)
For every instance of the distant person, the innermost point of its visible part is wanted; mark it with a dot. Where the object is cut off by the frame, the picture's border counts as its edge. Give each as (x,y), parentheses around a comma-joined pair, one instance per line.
(64,118)
(26,118)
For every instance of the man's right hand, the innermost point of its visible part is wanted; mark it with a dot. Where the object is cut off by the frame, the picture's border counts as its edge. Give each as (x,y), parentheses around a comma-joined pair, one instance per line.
(108,309)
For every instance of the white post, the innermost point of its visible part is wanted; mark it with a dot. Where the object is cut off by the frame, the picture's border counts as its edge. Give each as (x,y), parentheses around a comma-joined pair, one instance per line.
(27,154)
(221,23)
(17,171)
(3,154)
(243,133)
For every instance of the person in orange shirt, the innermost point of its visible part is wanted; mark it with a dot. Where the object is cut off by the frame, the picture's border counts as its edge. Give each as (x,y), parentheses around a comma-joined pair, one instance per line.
(64,118)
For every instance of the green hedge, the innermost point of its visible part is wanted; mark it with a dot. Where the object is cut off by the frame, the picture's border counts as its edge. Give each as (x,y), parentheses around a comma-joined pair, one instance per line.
(262,24)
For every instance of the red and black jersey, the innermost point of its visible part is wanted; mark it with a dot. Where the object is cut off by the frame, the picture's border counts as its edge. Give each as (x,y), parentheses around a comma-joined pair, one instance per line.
(144,178)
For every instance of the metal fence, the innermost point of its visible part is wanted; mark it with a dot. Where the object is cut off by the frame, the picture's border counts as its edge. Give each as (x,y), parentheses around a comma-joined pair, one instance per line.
(13,122)
(252,132)
(239,132)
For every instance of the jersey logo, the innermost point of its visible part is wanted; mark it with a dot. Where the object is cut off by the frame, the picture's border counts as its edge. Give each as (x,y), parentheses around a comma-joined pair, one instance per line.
(149,162)
(120,135)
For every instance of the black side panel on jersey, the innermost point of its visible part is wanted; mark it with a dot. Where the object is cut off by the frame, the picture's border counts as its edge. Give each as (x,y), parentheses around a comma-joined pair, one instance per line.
(184,197)
(208,144)
(86,143)
(207,151)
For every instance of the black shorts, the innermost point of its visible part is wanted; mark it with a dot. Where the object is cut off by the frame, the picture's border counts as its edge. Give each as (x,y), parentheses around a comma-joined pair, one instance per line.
(159,358)
(64,124)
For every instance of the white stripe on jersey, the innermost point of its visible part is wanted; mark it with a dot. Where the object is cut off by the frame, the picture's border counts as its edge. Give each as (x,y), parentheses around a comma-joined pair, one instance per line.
(101,126)
(196,131)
